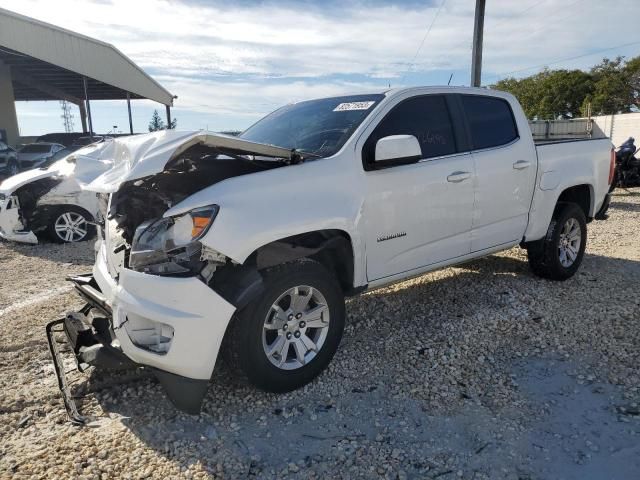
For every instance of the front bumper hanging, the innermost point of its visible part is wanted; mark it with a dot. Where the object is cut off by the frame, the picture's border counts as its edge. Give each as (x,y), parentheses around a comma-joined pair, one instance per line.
(69,402)
(89,339)
(90,336)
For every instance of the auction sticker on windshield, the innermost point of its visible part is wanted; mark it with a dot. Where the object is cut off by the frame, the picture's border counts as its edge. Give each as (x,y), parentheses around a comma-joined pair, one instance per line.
(353,106)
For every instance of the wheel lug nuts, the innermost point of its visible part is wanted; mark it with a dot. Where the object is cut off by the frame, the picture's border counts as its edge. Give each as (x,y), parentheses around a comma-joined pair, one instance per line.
(297,334)
(285,326)
(302,324)
(290,317)
(288,335)
(299,316)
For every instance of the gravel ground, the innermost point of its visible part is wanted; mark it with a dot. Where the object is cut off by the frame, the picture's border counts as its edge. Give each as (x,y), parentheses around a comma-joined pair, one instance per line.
(479,371)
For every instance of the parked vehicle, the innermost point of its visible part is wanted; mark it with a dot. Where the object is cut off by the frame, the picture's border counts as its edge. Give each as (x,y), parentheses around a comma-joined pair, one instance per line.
(212,240)
(33,155)
(50,200)
(627,173)
(63,138)
(83,141)
(8,160)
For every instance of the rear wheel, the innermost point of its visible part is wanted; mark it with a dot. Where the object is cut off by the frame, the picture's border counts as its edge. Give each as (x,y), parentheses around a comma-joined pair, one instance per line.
(559,254)
(70,225)
(287,336)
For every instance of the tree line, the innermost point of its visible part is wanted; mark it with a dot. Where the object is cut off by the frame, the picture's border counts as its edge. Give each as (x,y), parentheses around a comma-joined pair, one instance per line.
(611,86)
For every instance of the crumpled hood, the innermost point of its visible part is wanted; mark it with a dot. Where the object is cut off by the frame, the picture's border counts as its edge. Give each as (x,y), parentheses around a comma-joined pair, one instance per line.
(11,184)
(140,156)
(89,162)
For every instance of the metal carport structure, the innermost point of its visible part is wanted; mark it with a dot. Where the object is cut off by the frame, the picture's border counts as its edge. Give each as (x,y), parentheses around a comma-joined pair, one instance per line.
(40,61)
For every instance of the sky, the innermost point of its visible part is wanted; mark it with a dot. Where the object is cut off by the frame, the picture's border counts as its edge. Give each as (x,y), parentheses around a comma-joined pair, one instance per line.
(231,63)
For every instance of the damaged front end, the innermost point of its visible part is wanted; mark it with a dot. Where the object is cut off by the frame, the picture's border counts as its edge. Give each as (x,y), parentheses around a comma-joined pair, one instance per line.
(31,200)
(152,300)
(11,224)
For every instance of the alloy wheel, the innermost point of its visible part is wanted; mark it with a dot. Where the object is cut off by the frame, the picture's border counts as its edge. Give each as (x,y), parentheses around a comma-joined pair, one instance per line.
(569,244)
(71,227)
(295,327)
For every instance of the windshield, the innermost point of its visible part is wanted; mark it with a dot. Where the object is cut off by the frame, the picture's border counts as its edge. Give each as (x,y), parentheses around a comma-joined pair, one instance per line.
(35,148)
(320,127)
(57,156)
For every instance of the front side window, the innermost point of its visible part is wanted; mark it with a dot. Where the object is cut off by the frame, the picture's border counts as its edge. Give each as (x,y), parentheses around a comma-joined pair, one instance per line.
(490,120)
(426,118)
(35,148)
(320,127)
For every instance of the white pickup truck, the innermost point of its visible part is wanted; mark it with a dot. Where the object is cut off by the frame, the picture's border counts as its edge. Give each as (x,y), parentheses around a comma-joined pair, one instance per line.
(250,244)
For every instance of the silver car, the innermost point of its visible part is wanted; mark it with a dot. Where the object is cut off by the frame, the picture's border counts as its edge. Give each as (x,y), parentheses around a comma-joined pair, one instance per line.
(33,155)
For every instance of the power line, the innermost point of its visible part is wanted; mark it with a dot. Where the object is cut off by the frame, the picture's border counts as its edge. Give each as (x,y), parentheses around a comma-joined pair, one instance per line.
(515,15)
(424,38)
(563,60)
(518,14)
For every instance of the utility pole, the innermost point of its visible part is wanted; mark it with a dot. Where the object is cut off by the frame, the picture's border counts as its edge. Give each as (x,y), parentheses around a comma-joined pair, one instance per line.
(476,55)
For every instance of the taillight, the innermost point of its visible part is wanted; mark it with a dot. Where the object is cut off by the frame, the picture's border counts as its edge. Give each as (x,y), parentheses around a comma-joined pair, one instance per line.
(612,166)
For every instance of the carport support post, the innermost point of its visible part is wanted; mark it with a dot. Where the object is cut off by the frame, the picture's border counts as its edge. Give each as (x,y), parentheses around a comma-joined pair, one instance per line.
(129,108)
(86,99)
(83,116)
(168,116)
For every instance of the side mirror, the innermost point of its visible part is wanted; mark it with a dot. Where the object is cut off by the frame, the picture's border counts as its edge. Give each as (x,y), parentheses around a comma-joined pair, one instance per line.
(403,148)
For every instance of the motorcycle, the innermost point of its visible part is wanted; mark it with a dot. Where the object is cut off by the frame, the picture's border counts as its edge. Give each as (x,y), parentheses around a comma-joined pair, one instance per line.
(627,170)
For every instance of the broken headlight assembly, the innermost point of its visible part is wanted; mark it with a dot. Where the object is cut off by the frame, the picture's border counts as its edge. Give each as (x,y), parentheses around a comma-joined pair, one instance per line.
(170,246)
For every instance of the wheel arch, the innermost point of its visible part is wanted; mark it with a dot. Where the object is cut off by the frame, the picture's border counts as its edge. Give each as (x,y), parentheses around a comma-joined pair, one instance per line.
(582,195)
(545,203)
(333,248)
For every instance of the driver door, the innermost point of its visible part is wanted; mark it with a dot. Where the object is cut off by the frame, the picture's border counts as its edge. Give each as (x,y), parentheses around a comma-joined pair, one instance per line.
(420,213)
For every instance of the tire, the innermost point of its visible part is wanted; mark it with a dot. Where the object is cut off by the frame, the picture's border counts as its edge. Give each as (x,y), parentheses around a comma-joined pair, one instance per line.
(557,256)
(247,340)
(68,224)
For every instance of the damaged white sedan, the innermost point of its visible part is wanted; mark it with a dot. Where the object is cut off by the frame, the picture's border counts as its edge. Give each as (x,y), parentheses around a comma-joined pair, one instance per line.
(50,200)
(214,243)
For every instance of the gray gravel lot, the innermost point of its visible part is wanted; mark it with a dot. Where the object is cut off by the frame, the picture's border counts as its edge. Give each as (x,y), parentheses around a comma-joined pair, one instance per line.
(479,371)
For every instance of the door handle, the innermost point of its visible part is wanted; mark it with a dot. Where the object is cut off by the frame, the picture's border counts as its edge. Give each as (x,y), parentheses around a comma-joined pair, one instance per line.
(457,177)
(521,164)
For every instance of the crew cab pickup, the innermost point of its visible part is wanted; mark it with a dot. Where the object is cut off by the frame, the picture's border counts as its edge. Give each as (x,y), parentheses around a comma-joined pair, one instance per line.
(250,244)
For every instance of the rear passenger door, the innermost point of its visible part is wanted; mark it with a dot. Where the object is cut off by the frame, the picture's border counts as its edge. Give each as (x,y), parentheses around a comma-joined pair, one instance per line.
(505,172)
(419,213)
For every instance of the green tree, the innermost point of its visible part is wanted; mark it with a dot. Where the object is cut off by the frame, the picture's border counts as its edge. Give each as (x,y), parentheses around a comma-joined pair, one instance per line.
(550,93)
(632,70)
(157,123)
(611,92)
(611,86)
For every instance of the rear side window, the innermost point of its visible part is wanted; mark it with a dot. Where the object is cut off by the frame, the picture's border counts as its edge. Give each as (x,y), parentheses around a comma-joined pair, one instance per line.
(427,118)
(490,120)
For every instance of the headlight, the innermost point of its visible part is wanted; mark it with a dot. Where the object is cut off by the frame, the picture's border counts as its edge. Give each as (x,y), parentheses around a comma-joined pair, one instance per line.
(170,245)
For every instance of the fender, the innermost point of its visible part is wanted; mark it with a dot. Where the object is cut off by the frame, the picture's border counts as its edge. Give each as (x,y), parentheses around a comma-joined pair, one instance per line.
(544,204)
(264,207)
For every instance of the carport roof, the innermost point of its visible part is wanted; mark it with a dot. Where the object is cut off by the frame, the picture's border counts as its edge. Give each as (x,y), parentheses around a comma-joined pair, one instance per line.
(49,63)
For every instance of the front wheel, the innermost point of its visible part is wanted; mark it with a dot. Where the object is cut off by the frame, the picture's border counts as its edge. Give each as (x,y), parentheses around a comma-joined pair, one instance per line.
(286,337)
(70,225)
(559,254)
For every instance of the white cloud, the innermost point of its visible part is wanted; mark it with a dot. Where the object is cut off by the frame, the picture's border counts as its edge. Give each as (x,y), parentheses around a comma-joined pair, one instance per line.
(246,59)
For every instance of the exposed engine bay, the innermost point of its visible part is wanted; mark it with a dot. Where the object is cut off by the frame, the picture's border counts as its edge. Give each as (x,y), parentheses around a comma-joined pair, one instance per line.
(142,237)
